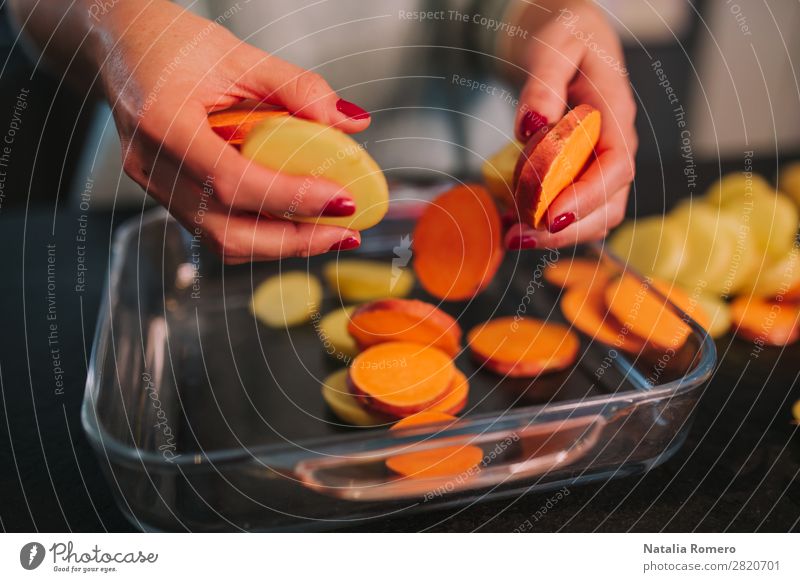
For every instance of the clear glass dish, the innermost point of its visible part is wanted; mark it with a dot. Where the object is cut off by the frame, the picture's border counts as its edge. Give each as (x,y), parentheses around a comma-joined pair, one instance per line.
(206,420)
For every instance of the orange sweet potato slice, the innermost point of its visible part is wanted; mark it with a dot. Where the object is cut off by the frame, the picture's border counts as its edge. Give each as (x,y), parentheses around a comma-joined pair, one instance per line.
(233,124)
(401,378)
(643,312)
(585,308)
(568,273)
(455,399)
(411,320)
(774,323)
(684,302)
(552,163)
(424,417)
(523,347)
(446,461)
(458,243)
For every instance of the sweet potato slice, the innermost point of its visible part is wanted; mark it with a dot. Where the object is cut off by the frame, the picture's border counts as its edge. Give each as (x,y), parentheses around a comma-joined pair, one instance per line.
(233,124)
(691,306)
(546,168)
(401,378)
(446,461)
(643,312)
(585,308)
(409,320)
(522,347)
(345,406)
(421,418)
(458,243)
(287,299)
(360,280)
(767,322)
(455,399)
(570,272)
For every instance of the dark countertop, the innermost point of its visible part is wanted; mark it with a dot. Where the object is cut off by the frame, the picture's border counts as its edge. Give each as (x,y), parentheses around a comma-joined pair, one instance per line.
(738,470)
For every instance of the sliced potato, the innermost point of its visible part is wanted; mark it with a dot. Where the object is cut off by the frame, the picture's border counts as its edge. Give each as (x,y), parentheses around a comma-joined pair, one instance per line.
(344,404)
(718,312)
(651,245)
(708,245)
(736,189)
(333,333)
(299,147)
(498,172)
(776,277)
(360,280)
(773,222)
(789,181)
(287,299)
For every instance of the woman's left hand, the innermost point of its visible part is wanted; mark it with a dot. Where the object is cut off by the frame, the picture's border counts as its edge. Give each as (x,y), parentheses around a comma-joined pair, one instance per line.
(576,58)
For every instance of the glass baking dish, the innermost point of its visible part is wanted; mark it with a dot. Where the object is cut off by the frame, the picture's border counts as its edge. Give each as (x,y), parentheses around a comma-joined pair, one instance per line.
(206,420)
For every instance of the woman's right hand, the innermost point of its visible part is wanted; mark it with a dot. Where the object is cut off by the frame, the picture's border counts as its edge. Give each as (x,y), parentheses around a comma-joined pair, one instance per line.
(163,70)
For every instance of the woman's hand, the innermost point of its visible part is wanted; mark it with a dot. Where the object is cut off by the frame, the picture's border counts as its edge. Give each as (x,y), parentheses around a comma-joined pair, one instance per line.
(577,58)
(163,70)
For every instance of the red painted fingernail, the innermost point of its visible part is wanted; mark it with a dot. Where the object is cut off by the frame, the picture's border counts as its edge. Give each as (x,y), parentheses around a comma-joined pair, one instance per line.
(346,244)
(523,242)
(530,123)
(351,110)
(340,206)
(561,222)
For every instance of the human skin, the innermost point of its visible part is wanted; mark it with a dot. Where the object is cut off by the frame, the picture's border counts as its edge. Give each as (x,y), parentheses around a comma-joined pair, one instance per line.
(162,70)
(573,56)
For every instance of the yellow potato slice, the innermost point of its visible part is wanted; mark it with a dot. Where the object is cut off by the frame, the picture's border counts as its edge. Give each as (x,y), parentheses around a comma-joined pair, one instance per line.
(718,312)
(736,189)
(295,146)
(776,276)
(498,172)
(773,223)
(360,280)
(652,246)
(789,181)
(287,299)
(708,244)
(344,405)
(333,333)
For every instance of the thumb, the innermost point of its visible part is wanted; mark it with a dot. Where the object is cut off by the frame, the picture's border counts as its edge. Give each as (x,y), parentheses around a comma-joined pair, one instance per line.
(544,96)
(303,93)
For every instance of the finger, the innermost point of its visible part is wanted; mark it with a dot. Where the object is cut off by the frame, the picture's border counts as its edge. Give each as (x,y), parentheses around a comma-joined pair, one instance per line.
(610,172)
(256,238)
(241,184)
(543,98)
(304,93)
(591,228)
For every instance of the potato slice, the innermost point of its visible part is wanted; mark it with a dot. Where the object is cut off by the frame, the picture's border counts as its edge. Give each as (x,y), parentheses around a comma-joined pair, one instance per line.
(498,172)
(333,333)
(773,223)
(287,299)
(736,189)
(776,276)
(718,312)
(299,147)
(360,280)
(344,405)
(789,181)
(650,245)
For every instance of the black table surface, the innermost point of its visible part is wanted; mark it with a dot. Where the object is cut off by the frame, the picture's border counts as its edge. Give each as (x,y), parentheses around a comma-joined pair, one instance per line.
(738,470)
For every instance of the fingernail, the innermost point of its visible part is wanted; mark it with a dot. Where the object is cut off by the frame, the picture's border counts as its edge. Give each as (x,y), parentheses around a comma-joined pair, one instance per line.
(530,123)
(561,222)
(339,206)
(522,242)
(346,244)
(351,110)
